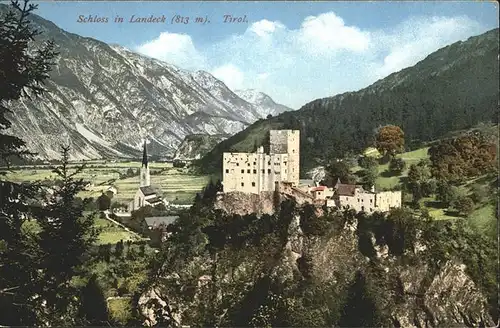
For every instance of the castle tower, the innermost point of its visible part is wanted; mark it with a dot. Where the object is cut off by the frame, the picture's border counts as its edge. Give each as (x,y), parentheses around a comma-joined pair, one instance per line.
(287,142)
(145,178)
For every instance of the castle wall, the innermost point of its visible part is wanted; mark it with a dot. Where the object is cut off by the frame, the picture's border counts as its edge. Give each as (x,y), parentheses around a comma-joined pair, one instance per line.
(388,199)
(257,172)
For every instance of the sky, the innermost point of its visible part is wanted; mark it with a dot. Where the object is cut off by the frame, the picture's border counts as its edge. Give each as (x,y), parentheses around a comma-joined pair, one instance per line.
(293,51)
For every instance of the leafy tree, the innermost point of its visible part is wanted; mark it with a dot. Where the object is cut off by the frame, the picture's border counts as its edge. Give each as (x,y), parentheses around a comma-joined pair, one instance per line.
(269,116)
(94,308)
(397,165)
(368,162)
(465,156)
(338,170)
(369,177)
(103,202)
(119,248)
(418,176)
(446,193)
(389,140)
(463,205)
(479,193)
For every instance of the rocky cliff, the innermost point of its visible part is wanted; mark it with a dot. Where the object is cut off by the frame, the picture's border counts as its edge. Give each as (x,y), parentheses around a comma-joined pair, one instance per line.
(297,277)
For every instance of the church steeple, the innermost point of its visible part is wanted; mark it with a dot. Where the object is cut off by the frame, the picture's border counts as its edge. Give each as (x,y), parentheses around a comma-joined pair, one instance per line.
(145,178)
(145,155)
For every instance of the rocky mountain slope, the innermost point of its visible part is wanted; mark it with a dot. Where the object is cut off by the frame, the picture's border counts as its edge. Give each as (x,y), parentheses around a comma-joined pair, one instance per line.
(194,146)
(453,88)
(104,100)
(264,104)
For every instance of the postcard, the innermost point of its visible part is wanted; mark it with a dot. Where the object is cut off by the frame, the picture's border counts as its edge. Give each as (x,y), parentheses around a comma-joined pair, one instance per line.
(249,164)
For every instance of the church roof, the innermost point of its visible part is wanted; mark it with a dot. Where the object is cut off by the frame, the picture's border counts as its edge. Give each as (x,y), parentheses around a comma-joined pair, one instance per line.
(147,190)
(154,200)
(145,156)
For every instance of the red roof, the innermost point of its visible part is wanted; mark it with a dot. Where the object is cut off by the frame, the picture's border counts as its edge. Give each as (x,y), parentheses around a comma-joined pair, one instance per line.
(320,188)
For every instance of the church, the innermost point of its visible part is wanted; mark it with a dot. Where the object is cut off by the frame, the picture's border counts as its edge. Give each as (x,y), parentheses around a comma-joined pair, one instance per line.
(145,195)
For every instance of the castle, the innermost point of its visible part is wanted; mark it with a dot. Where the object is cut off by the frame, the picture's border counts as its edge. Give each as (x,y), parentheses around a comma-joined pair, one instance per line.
(258,172)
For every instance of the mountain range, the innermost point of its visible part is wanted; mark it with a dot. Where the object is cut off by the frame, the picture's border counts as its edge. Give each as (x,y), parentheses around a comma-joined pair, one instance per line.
(104,100)
(453,88)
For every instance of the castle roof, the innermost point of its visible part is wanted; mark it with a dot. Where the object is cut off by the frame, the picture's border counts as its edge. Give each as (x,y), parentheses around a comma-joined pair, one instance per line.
(320,188)
(147,190)
(145,156)
(345,189)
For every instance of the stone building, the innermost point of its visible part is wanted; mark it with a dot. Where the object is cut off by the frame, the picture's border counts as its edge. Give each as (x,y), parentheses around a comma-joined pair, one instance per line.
(355,197)
(145,195)
(258,172)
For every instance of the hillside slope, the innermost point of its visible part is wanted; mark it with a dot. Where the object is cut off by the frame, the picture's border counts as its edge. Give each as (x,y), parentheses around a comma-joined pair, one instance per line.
(105,99)
(453,88)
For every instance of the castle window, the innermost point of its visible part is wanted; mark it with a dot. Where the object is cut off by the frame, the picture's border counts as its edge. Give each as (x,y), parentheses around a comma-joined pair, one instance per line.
(263,171)
(284,163)
(269,163)
(371,209)
(254,171)
(227,170)
(237,164)
(269,171)
(248,164)
(242,171)
(248,171)
(254,163)
(358,200)
(253,184)
(242,184)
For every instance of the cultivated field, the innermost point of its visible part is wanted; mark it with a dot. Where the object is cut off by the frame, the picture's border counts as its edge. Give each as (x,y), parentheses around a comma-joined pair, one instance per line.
(176,184)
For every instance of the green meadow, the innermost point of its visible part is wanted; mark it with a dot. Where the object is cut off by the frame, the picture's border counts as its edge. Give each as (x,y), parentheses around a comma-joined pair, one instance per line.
(483,213)
(177,185)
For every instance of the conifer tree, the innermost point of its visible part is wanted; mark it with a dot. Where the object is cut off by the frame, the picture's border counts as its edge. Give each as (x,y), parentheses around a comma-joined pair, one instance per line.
(65,239)
(94,308)
(23,69)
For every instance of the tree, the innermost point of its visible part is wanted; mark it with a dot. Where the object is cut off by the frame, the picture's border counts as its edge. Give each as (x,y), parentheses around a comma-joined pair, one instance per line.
(369,177)
(368,162)
(418,175)
(119,248)
(389,140)
(397,165)
(446,193)
(338,170)
(66,237)
(463,205)
(269,116)
(103,202)
(94,308)
(360,308)
(22,73)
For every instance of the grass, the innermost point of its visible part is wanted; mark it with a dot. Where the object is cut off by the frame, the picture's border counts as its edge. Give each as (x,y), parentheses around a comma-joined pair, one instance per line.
(176,184)
(110,233)
(481,216)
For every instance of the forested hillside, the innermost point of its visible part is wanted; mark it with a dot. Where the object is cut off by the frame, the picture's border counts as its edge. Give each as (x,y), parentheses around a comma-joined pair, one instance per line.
(453,88)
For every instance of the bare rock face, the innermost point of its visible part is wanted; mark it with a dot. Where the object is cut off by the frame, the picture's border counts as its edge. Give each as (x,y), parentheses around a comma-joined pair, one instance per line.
(243,203)
(411,295)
